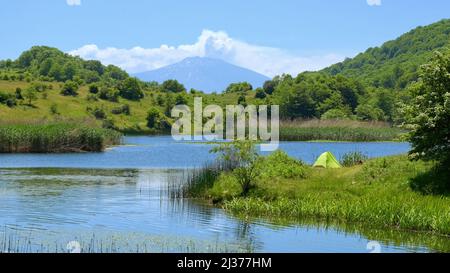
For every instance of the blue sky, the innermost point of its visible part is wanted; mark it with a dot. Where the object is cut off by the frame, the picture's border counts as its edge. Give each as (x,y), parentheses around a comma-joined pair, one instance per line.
(270,37)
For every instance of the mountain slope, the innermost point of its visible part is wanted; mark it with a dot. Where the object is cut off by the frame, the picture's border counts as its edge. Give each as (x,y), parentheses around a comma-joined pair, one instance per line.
(206,74)
(395,64)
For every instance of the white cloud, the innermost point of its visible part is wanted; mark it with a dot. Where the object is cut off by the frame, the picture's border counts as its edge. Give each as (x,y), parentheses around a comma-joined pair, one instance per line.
(265,60)
(374,2)
(73,2)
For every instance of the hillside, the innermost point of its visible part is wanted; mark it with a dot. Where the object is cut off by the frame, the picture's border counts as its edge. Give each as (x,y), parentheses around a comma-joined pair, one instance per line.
(205,74)
(396,63)
(50,106)
(45,85)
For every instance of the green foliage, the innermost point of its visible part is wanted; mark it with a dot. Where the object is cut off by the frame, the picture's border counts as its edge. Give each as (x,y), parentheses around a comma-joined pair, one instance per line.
(55,138)
(241,156)
(269,87)
(51,63)
(70,88)
(30,95)
(338,130)
(93,89)
(99,113)
(54,109)
(310,95)
(396,63)
(18,93)
(124,109)
(279,165)
(368,112)
(353,158)
(181,99)
(7,99)
(334,114)
(108,94)
(156,120)
(173,86)
(260,93)
(240,87)
(377,194)
(428,115)
(130,89)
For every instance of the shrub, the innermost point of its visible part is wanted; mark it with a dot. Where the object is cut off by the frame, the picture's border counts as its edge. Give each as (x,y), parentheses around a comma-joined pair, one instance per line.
(18,93)
(54,109)
(108,94)
(99,113)
(260,94)
(173,86)
(130,89)
(70,88)
(124,109)
(280,165)
(108,124)
(93,89)
(334,114)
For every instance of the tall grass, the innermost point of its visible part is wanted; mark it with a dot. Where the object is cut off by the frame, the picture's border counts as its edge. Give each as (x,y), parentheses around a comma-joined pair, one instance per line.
(338,130)
(55,138)
(196,182)
(353,158)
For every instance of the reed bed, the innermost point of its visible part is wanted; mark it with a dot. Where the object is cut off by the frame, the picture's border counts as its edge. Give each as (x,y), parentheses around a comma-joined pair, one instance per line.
(338,130)
(55,138)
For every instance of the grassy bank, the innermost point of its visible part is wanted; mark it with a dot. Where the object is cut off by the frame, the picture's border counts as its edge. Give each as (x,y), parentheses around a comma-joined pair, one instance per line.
(338,130)
(55,138)
(388,192)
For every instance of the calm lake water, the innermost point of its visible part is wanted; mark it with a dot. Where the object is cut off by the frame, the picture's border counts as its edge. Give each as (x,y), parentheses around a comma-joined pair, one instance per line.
(117,201)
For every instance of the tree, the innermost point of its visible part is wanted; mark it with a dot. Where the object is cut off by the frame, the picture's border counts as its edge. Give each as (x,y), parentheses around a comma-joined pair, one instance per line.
(368,112)
(181,99)
(153,117)
(173,86)
(239,87)
(70,88)
(131,89)
(297,104)
(93,88)
(240,156)
(18,93)
(30,95)
(428,115)
(260,93)
(242,100)
(156,120)
(269,87)
(385,100)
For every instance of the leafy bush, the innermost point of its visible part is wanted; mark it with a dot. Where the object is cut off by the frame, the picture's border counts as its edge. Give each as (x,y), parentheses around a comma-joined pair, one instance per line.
(428,115)
(124,109)
(173,86)
(280,165)
(7,99)
(156,120)
(108,94)
(93,89)
(130,89)
(70,88)
(99,113)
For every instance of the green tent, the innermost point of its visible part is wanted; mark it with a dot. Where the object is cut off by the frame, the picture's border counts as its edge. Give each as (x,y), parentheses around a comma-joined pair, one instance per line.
(328,161)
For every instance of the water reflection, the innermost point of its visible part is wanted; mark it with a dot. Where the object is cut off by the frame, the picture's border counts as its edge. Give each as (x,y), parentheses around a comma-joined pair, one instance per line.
(131,211)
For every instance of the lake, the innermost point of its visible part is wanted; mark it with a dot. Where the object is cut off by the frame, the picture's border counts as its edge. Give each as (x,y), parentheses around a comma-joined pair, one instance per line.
(118,201)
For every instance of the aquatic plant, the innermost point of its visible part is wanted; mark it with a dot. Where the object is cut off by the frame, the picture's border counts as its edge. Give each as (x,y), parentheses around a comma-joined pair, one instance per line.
(55,138)
(353,158)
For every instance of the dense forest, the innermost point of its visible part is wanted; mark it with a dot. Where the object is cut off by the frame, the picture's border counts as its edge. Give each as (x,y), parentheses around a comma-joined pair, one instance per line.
(46,83)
